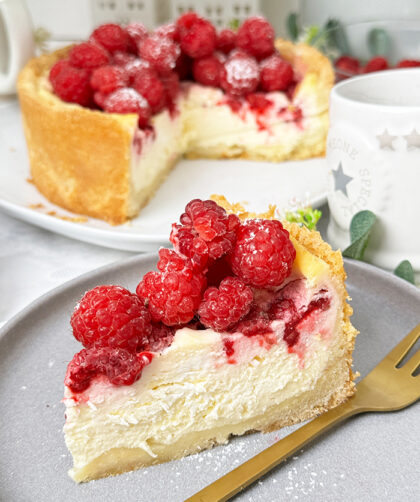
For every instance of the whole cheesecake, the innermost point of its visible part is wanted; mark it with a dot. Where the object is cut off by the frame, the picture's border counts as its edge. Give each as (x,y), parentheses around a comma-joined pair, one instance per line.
(243,327)
(106,120)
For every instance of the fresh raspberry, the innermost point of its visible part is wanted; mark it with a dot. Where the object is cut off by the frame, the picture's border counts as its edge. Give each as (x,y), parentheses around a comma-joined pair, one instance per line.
(88,55)
(111,316)
(136,32)
(256,36)
(347,66)
(276,74)
(200,40)
(240,75)
(408,63)
(99,98)
(169,30)
(207,71)
(173,295)
(206,232)
(377,63)
(121,58)
(120,366)
(223,307)
(112,37)
(162,336)
(161,53)
(226,40)
(108,79)
(258,102)
(127,100)
(151,88)
(57,68)
(263,255)
(133,68)
(71,84)
(185,22)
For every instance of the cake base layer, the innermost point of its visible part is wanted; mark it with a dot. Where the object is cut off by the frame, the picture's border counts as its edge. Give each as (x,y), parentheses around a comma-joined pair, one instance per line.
(333,388)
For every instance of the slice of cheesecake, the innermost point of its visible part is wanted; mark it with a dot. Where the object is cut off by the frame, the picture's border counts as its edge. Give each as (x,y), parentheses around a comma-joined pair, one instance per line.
(253,358)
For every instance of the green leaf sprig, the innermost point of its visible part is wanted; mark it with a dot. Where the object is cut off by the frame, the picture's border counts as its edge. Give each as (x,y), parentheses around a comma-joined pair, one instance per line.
(307,217)
(360,229)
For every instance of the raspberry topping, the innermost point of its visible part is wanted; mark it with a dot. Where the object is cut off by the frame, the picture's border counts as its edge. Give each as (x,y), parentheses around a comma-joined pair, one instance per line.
(71,84)
(226,41)
(263,254)
(377,63)
(240,75)
(135,67)
(121,366)
(348,65)
(224,306)
(161,53)
(111,316)
(408,63)
(123,58)
(112,37)
(88,55)
(256,36)
(162,336)
(137,32)
(207,70)
(108,79)
(276,74)
(127,100)
(174,293)
(185,22)
(169,30)
(199,40)
(206,232)
(150,87)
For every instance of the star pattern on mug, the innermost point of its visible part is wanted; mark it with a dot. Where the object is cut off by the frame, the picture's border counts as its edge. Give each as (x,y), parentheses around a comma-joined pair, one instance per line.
(385,140)
(341,180)
(412,139)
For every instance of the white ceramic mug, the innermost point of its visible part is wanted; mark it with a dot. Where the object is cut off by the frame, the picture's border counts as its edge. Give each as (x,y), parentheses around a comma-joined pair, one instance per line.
(16,42)
(373,155)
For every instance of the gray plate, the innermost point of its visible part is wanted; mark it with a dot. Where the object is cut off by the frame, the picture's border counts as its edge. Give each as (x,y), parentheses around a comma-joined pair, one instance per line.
(370,457)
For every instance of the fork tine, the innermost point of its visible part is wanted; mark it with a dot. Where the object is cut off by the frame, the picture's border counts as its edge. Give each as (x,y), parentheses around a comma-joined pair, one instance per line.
(399,351)
(412,364)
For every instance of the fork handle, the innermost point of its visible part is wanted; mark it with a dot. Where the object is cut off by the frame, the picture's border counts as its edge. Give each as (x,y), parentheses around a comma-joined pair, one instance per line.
(241,477)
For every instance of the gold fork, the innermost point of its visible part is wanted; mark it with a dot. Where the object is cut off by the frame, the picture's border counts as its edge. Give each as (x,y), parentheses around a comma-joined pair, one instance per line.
(387,387)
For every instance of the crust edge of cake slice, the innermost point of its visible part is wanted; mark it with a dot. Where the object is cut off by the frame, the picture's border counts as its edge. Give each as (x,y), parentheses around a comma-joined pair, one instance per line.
(313,255)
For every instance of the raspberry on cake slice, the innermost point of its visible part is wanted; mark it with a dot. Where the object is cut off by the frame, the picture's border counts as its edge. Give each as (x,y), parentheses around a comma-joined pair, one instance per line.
(244,326)
(144,97)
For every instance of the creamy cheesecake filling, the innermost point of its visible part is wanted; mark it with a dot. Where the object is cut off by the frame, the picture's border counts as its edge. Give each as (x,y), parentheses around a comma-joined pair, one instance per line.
(194,386)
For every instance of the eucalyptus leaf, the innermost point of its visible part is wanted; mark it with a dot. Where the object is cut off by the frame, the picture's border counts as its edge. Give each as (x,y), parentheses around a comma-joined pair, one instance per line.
(379,42)
(360,229)
(292,26)
(337,36)
(405,271)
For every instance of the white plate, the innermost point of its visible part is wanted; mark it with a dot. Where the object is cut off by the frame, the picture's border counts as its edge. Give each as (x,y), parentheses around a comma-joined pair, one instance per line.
(288,184)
